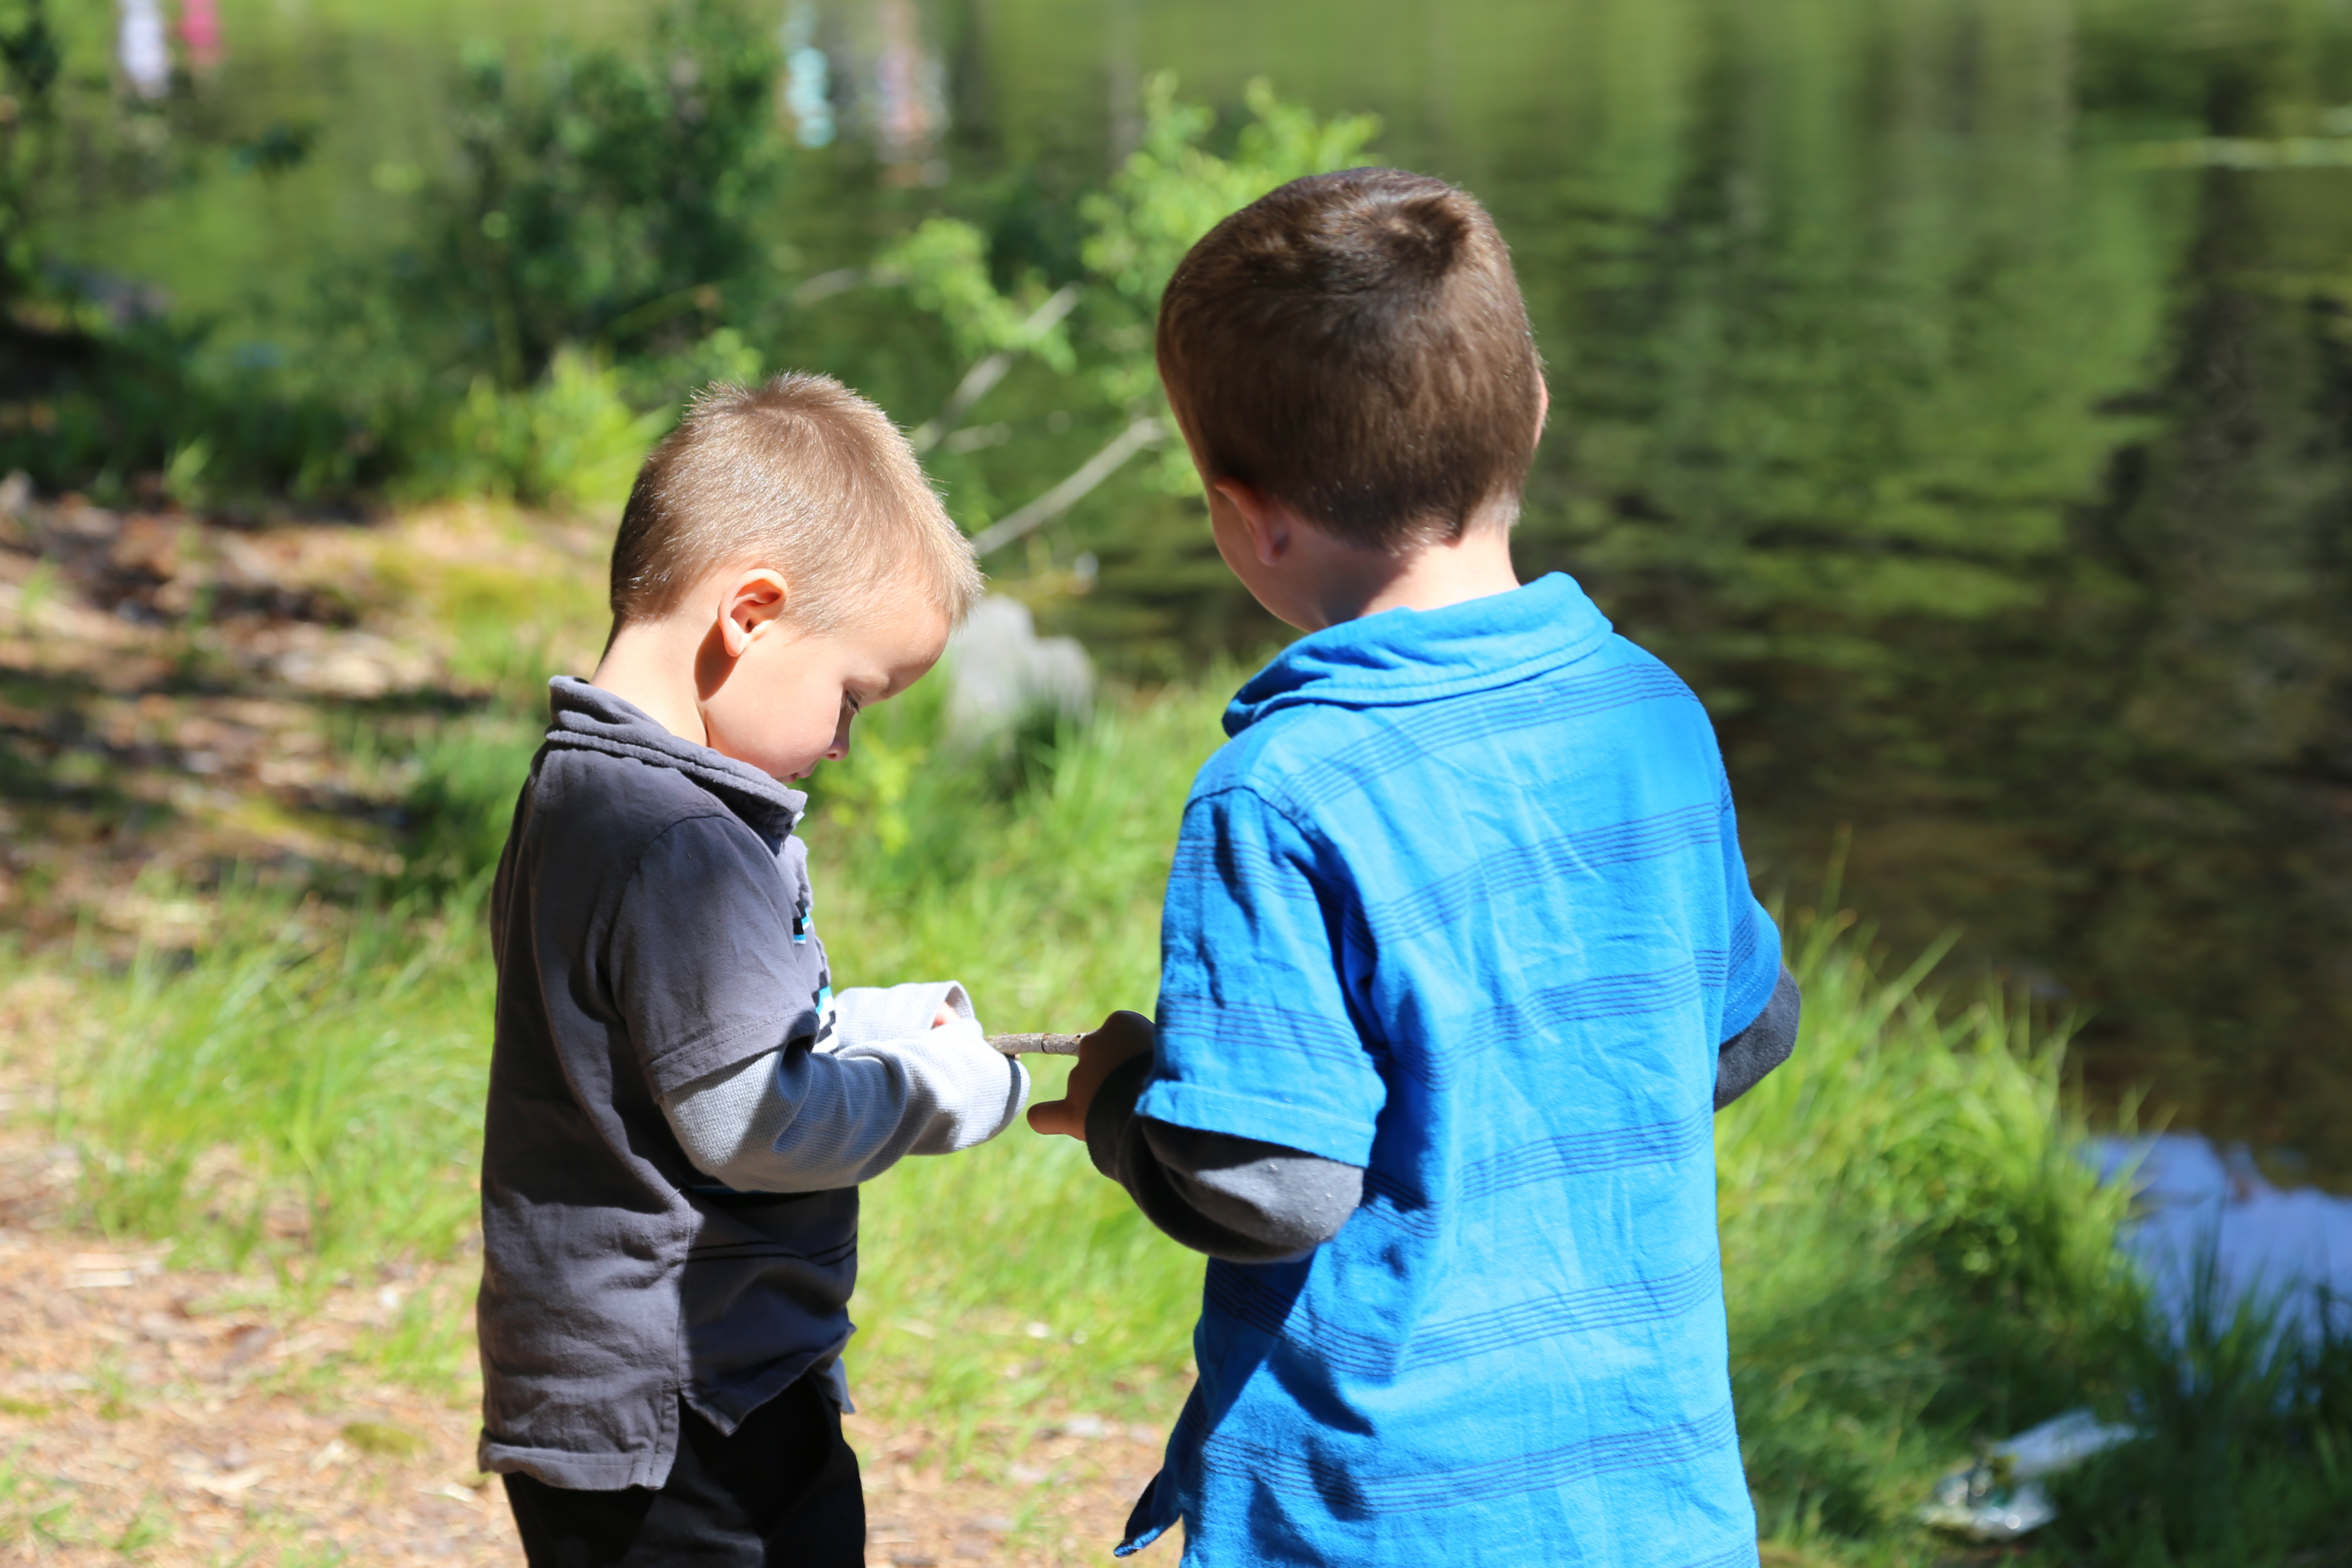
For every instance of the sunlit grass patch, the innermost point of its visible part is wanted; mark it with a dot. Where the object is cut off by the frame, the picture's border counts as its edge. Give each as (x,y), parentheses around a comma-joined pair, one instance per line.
(1016,1284)
(298,1089)
(36,1510)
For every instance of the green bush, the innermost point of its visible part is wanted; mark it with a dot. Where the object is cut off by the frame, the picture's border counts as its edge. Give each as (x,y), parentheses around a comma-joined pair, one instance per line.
(572,439)
(611,194)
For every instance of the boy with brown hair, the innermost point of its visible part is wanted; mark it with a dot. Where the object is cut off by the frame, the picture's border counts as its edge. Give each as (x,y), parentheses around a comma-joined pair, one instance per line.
(1459,957)
(680,1109)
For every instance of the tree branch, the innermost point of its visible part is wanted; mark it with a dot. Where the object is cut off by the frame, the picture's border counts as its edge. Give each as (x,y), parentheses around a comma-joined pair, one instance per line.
(1147,431)
(982,377)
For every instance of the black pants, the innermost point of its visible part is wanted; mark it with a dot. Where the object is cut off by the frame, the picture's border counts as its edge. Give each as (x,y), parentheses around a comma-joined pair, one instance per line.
(782,1492)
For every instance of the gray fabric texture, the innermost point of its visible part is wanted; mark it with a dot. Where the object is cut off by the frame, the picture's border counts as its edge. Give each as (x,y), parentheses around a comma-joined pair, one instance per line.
(1764,1044)
(1251,1202)
(650,923)
(865,1015)
(886,1085)
(1234,1198)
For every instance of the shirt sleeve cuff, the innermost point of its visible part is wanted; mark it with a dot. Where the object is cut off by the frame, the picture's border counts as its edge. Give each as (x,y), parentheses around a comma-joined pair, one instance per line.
(865,1014)
(1292,1126)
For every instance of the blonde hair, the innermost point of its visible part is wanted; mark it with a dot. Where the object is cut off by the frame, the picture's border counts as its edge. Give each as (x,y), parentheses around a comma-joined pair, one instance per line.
(802,474)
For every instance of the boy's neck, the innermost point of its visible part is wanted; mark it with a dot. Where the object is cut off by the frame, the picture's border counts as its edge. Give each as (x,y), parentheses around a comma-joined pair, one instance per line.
(650,665)
(1475,566)
(1313,578)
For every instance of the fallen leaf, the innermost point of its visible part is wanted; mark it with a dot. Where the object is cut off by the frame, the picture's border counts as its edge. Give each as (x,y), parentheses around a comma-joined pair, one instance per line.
(383,1440)
(236,1481)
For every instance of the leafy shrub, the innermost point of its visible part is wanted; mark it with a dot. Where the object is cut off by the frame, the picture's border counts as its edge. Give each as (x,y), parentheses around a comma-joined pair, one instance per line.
(608,195)
(573,439)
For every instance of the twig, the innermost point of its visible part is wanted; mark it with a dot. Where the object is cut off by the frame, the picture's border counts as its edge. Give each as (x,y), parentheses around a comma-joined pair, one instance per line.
(1145,432)
(982,377)
(825,285)
(1043,1045)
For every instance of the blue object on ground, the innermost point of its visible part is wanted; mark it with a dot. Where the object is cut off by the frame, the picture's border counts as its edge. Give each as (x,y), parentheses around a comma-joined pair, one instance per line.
(2290,1249)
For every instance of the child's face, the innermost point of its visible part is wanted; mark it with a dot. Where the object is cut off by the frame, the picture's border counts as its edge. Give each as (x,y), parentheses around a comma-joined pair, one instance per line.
(781,697)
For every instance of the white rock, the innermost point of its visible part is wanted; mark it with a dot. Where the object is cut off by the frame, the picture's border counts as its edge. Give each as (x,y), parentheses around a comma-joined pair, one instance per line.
(1000,671)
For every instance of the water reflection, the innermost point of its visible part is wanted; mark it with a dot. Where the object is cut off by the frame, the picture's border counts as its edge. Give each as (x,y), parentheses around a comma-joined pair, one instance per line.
(2214,1233)
(808,78)
(143,50)
(1989,483)
(200,30)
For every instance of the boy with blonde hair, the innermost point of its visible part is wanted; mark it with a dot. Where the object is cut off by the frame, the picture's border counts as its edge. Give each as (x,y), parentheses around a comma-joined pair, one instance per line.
(680,1109)
(1459,957)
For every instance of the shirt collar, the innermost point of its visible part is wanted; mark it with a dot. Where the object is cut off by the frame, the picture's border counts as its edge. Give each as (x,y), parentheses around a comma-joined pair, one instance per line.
(1419,656)
(585,718)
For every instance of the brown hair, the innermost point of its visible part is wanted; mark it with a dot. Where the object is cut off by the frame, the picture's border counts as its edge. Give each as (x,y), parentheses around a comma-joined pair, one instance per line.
(1354,346)
(801,474)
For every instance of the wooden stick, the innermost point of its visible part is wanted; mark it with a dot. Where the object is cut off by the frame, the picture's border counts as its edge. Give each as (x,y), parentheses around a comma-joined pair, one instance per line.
(1144,432)
(1042,1045)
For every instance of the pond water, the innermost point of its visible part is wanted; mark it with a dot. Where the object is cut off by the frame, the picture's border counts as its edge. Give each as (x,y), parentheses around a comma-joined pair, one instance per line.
(1955,391)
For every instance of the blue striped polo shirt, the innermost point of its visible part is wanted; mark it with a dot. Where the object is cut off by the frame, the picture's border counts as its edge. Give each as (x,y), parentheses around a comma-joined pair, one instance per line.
(1462,903)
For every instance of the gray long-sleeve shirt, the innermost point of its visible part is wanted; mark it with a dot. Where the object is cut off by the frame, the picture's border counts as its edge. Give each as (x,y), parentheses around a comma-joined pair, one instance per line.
(884,1084)
(1251,1202)
(651,923)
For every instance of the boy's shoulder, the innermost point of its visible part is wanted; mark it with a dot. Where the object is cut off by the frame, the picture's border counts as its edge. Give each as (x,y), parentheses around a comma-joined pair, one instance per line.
(598,820)
(618,800)
(1305,757)
(612,777)
(619,814)
(1273,758)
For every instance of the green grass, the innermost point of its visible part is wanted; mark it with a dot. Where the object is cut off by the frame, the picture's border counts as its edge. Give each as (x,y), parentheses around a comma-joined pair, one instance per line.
(1914,1255)
(304,1088)
(1916,1258)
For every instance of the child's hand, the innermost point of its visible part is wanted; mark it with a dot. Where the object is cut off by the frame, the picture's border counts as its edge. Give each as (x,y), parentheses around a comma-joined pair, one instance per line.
(1122,1035)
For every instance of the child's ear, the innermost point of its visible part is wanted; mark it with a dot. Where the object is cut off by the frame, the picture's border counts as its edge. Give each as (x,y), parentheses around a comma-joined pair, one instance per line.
(754,601)
(1263,519)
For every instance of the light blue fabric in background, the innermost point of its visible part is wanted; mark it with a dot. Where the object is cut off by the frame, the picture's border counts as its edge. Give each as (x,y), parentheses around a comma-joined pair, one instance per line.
(1462,903)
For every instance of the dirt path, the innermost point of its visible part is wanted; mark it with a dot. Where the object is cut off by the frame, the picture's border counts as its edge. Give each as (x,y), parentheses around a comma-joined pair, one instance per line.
(178,697)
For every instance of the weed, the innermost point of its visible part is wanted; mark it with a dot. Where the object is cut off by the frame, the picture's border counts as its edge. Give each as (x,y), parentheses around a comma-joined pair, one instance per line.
(382,1440)
(146,1527)
(35,1511)
(430,1343)
(38,588)
(326,1554)
(2248,1438)
(117,1396)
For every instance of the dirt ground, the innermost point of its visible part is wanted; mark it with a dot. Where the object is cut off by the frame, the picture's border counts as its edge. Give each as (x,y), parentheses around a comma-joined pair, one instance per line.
(178,697)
